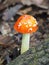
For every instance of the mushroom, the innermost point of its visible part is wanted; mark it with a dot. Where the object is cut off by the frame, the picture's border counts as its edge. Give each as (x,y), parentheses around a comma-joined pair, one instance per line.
(26,24)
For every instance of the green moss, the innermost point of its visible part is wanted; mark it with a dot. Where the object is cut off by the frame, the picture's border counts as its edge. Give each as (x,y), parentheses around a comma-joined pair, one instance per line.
(37,55)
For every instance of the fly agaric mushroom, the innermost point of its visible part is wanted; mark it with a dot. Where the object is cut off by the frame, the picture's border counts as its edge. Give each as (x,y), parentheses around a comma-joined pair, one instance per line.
(26,24)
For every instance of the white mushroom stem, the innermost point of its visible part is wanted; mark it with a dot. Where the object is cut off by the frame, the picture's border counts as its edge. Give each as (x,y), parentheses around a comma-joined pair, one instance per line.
(25,43)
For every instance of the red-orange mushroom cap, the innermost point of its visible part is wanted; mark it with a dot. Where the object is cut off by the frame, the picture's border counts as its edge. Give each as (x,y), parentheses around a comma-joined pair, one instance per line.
(26,24)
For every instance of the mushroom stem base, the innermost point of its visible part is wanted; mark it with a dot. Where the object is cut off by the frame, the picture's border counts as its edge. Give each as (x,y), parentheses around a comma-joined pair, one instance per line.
(25,43)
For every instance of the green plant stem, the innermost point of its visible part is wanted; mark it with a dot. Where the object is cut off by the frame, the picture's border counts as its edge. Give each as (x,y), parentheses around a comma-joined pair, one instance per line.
(25,43)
